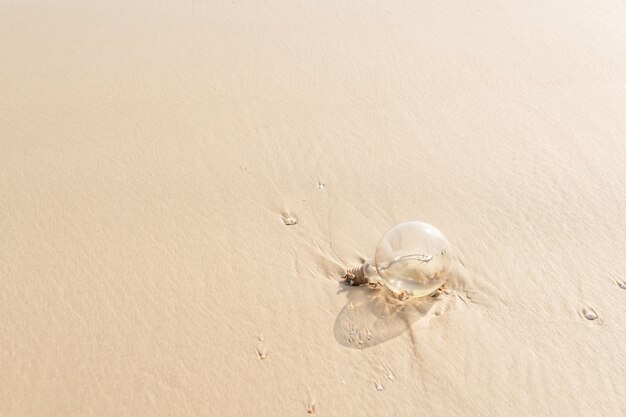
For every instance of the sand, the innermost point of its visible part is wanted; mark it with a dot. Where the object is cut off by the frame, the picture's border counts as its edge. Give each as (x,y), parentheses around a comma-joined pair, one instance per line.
(152,153)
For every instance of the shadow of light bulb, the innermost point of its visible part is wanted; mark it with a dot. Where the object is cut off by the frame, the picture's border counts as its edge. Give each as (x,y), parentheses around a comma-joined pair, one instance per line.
(371,317)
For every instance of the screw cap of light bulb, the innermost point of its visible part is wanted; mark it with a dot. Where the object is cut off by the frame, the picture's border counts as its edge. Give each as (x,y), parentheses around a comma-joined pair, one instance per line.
(413,259)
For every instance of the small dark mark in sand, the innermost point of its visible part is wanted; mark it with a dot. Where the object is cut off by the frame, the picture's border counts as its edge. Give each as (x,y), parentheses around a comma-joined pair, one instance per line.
(290,221)
(589,314)
(261,352)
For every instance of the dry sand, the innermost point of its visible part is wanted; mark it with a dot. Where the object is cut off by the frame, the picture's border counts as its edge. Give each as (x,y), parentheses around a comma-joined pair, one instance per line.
(149,152)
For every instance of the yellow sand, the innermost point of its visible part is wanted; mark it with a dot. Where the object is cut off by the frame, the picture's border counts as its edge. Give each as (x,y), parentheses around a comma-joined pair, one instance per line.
(151,153)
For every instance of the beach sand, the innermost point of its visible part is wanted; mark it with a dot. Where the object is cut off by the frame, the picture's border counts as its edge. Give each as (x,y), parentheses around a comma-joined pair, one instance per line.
(153,155)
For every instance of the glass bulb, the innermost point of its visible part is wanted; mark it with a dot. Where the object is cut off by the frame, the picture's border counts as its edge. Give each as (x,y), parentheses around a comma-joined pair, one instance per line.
(413,259)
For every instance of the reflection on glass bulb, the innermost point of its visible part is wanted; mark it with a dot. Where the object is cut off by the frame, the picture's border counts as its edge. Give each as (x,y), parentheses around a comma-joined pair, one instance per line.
(412,259)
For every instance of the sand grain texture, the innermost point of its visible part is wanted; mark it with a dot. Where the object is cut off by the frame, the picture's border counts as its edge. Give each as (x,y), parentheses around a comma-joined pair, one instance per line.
(151,155)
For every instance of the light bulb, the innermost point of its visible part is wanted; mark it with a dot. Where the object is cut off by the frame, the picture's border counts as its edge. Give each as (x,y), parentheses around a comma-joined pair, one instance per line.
(411,260)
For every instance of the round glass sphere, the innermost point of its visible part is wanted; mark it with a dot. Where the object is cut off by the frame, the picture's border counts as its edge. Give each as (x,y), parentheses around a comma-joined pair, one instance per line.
(413,259)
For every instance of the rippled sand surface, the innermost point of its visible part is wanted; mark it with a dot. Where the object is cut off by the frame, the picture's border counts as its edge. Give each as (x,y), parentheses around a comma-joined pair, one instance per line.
(183,183)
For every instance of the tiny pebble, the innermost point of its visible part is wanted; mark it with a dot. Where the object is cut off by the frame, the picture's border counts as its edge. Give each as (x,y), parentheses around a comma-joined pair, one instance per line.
(623,285)
(379,386)
(589,314)
(290,221)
